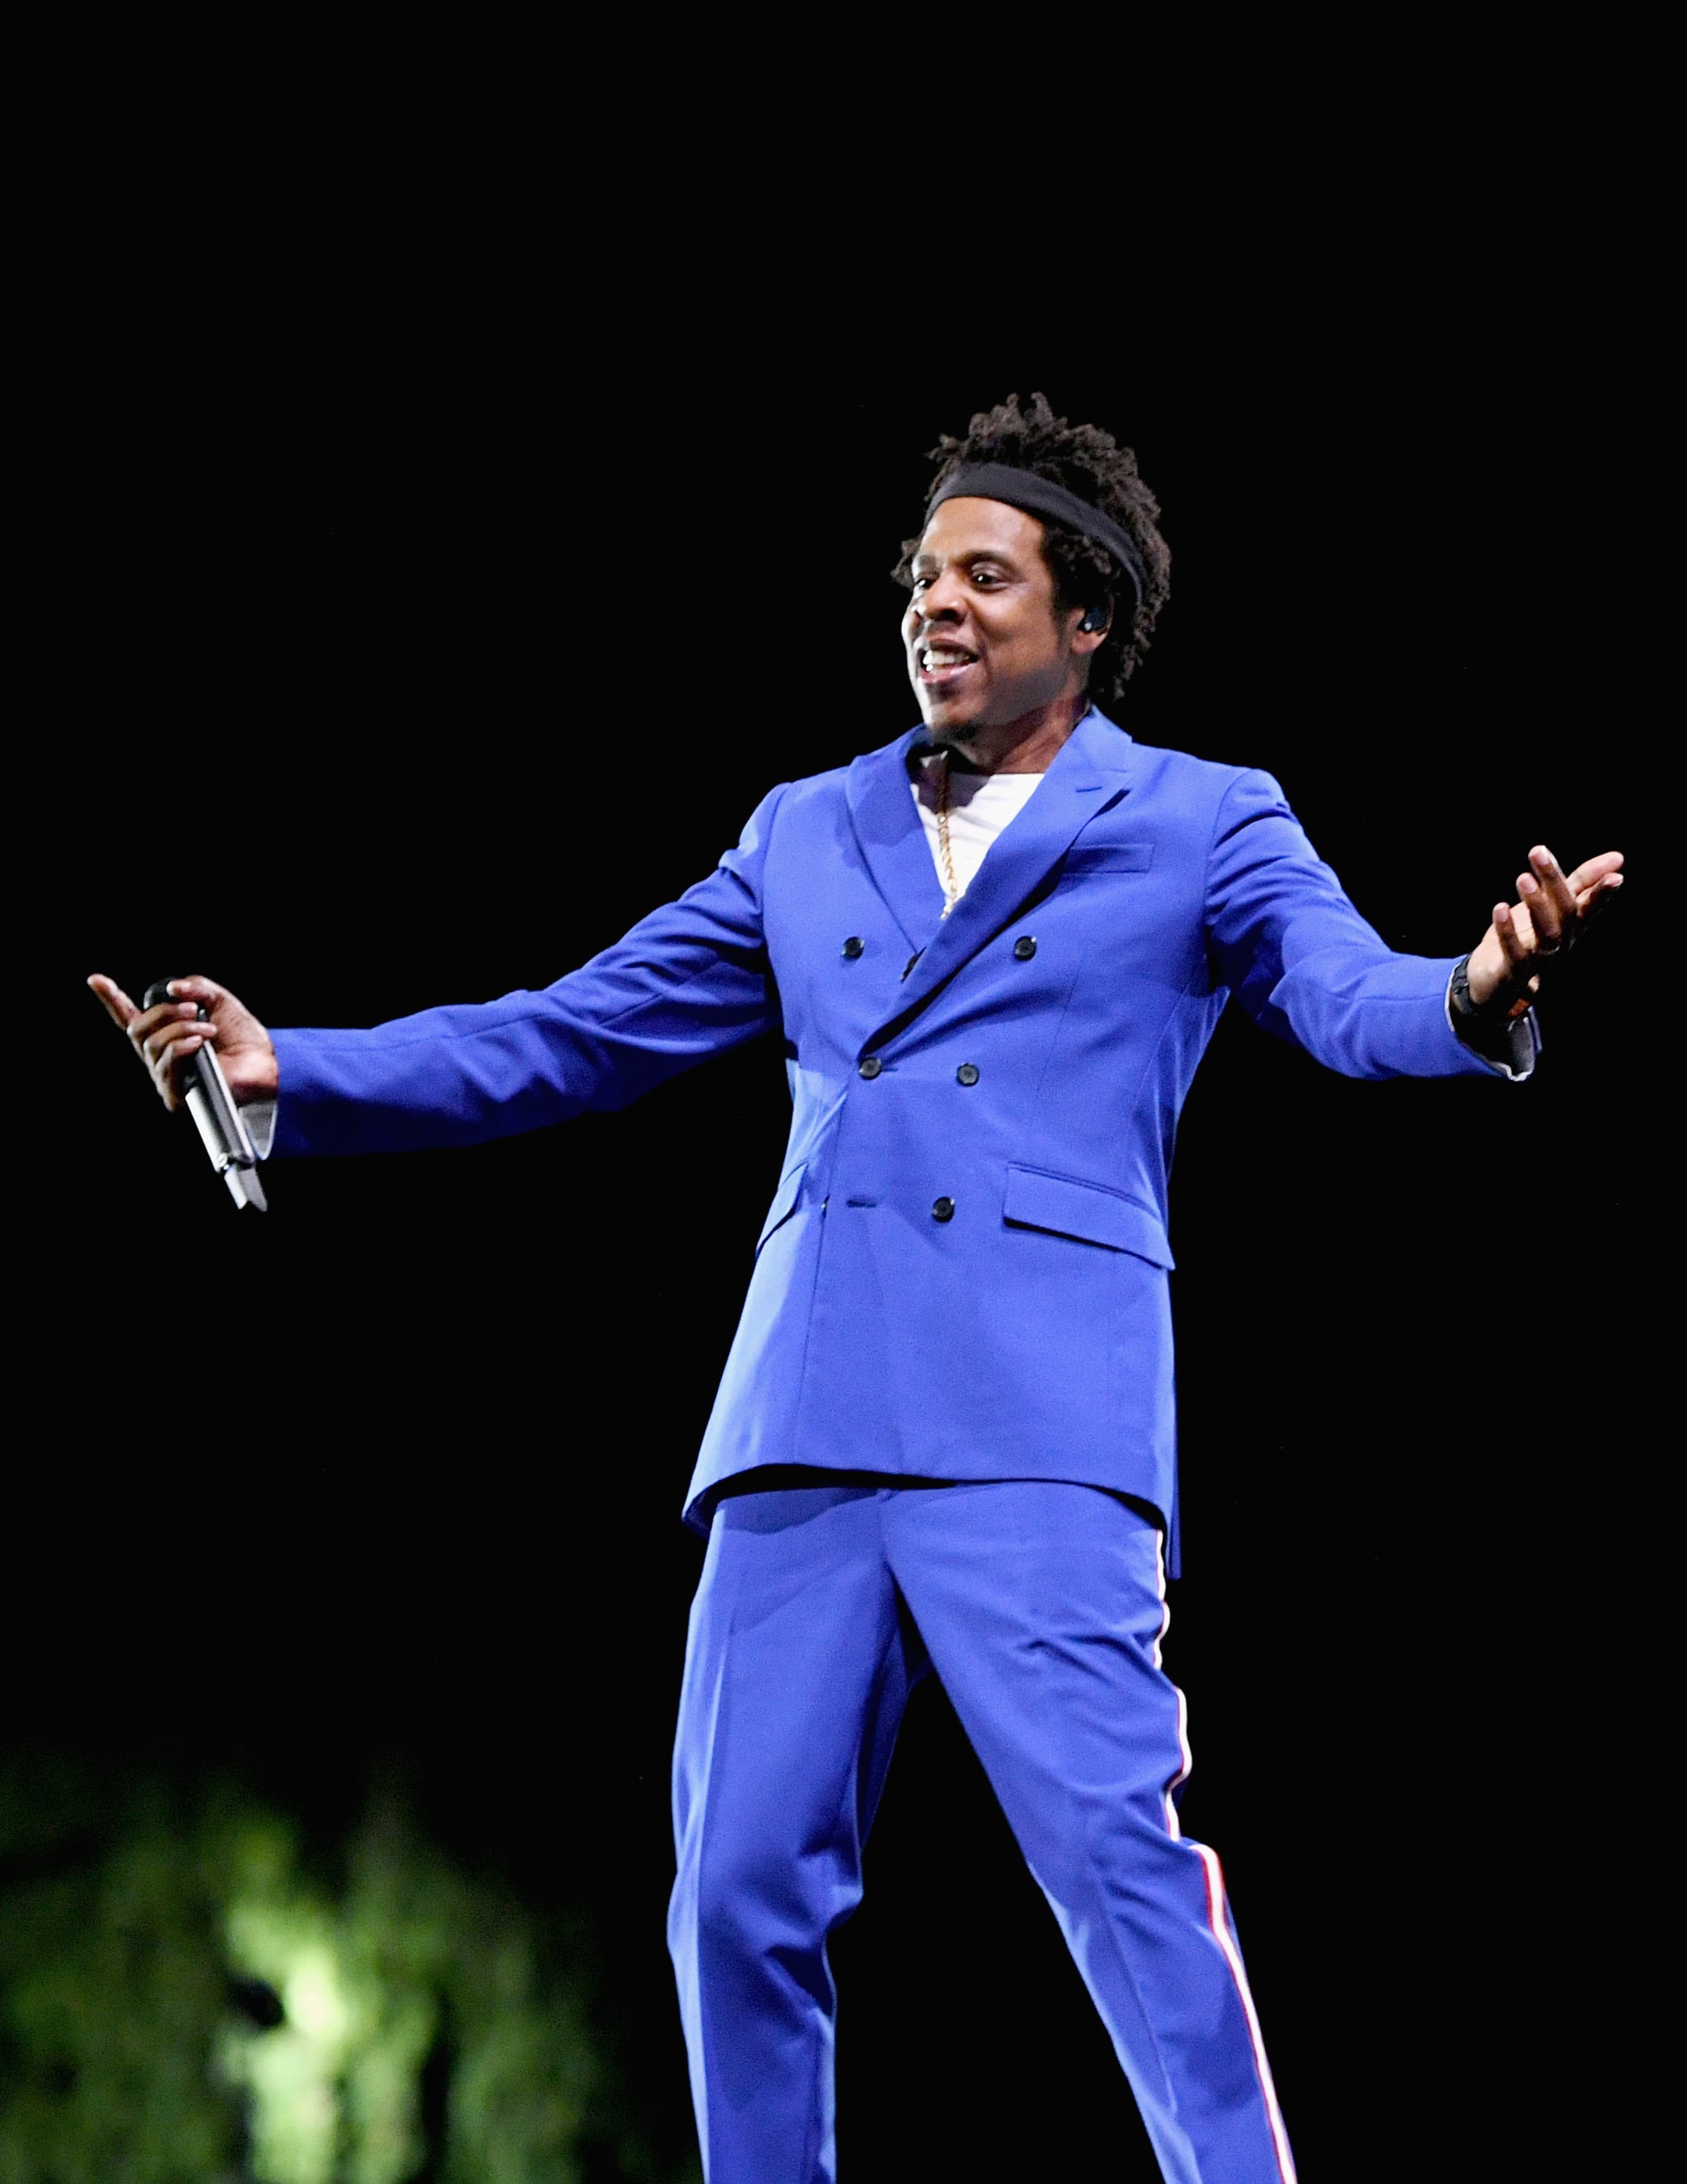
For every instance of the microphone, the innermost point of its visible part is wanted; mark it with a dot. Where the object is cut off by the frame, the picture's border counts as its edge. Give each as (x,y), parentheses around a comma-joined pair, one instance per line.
(221,1124)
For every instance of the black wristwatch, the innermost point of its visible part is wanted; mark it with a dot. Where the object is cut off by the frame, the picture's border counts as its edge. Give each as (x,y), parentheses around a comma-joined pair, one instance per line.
(1495,1034)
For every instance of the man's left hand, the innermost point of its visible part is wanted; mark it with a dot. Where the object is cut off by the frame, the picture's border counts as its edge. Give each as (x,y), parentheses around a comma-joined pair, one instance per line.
(1528,936)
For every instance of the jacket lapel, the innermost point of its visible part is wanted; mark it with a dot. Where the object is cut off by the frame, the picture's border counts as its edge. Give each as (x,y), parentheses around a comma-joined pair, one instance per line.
(887,823)
(1092,770)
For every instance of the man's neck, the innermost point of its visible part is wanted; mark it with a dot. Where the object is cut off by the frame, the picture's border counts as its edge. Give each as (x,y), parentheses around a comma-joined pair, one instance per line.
(1027,745)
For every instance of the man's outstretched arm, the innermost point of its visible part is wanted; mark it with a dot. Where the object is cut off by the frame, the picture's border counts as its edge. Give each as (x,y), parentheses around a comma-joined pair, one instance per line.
(1306,965)
(686,982)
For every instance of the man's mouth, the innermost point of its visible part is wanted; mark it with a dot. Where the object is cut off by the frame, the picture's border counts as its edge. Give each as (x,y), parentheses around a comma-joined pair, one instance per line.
(943,663)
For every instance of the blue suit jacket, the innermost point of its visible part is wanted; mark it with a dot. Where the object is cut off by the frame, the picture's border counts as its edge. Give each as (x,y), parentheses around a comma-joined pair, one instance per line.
(1029,1334)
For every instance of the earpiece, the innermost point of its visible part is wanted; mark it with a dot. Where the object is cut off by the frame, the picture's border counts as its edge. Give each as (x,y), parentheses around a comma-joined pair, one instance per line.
(1095,618)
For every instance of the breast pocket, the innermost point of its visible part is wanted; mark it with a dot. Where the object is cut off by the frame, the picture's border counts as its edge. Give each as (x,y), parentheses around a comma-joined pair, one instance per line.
(1092,859)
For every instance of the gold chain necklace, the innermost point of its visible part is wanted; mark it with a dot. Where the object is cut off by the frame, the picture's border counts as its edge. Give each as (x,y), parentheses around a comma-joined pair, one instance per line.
(951,887)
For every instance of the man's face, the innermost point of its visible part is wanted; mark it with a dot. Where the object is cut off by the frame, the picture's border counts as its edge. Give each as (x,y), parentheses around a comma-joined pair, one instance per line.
(985,643)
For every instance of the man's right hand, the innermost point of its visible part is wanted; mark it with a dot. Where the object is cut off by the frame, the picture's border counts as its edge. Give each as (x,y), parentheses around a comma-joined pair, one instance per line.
(163,1036)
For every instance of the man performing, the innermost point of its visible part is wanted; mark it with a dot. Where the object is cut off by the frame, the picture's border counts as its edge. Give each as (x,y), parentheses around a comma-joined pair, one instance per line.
(996,949)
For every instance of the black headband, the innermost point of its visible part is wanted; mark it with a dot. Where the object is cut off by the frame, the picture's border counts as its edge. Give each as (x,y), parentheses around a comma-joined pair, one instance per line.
(1041,496)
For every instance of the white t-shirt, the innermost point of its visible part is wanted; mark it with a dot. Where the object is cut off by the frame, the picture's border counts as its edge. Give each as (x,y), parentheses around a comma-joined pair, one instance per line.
(980,804)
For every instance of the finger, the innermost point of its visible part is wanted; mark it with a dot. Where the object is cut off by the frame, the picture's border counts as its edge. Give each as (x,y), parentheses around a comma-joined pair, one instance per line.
(1514,947)
(204,991)
(164,1048)
(1520,927)
(166,1076)
(116,1003)
(175,1043)
(1563,896)
(1544,914)
(1595,869)
(142,1026)
(181,1020)
(1591,900)
(164,1054)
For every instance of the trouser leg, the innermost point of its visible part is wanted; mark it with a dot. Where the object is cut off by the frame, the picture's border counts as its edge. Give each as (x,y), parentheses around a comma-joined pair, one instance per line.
(1041,1607)
(797,1671)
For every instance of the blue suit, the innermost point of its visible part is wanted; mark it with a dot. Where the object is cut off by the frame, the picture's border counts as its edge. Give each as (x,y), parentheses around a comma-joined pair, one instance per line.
(962,1278)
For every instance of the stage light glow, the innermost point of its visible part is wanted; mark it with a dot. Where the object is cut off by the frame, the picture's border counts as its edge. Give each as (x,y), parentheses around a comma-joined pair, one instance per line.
(340,2073)
(197,1997)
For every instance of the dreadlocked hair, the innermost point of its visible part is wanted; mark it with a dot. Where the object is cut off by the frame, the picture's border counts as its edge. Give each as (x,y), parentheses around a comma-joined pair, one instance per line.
(1090,463)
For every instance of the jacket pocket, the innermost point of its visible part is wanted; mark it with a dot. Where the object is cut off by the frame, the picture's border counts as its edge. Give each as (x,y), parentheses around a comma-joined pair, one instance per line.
(1088,1211)
(784,1202)
(1088,857)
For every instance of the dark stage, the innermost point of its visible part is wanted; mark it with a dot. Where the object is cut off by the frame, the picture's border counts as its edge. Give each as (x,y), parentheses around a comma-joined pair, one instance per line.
(424,636)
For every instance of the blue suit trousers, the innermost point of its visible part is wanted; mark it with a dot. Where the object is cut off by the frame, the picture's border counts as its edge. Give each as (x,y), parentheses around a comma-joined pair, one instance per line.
(1041,1608)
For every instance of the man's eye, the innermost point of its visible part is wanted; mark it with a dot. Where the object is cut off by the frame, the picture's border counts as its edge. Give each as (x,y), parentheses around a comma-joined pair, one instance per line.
(921,583)
(985,576)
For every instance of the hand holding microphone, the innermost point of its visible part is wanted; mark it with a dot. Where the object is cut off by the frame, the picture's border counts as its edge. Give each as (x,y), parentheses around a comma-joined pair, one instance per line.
(203,1050)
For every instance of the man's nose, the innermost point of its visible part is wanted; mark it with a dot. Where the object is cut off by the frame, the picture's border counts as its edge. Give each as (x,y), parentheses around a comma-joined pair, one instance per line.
(939,601)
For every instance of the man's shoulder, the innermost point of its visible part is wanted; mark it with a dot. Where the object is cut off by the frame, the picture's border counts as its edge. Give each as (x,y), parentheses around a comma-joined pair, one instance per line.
(819,788)
(810,796)
(1178,773)
(835,780)
(1160,762)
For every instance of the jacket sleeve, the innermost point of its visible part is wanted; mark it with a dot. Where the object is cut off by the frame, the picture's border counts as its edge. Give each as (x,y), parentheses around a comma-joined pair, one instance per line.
(1303,962)
(690,980)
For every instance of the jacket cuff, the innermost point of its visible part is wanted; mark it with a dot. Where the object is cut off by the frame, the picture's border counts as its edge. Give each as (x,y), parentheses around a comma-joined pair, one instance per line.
(259,1117)
(1508,1045)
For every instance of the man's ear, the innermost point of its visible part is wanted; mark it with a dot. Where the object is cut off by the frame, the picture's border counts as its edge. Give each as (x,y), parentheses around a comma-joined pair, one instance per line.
(1092,627)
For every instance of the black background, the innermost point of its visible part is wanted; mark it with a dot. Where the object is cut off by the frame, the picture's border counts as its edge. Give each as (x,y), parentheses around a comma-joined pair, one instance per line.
(435,571)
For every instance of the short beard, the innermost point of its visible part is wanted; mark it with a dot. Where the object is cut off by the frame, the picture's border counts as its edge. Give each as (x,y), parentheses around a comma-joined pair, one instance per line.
(951,740)
(947,740)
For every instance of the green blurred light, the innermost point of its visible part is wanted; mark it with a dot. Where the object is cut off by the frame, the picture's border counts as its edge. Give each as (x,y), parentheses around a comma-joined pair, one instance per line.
(122,2060)
(331,2091)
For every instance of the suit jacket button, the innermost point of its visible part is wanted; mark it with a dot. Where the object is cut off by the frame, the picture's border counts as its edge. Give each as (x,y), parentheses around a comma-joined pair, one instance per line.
(943,1209)
(967,1073)
(1025,948)
(852,946)
(871,1066)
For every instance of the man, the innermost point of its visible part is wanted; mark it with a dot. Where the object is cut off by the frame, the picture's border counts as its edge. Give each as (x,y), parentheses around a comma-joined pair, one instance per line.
(996,949)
